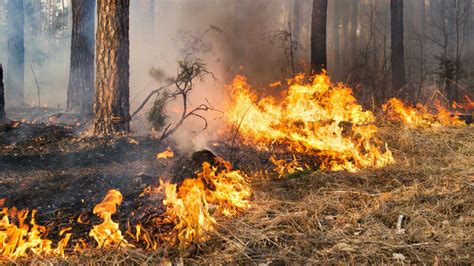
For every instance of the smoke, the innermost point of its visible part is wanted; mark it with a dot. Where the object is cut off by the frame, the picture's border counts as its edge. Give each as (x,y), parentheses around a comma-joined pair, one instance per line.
(159,32)
(241,44)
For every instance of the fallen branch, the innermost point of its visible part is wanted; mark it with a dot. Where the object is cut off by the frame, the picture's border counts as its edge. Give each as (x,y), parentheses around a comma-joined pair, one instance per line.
(37,85)
(149,97)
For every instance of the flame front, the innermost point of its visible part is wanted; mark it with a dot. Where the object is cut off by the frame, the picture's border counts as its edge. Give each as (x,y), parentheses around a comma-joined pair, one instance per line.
(189,210)
(20,239)
(419,116)
(168,153)
(317,118)
(108,233)
(194,206)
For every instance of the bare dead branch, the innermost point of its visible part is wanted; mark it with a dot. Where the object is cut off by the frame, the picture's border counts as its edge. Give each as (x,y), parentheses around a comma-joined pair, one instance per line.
(149,97)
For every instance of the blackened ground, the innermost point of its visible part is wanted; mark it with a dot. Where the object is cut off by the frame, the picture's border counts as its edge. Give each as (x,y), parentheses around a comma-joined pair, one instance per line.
(51,169)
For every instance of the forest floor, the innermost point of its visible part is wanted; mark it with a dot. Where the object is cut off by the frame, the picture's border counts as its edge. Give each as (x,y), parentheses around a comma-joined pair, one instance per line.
(419,209)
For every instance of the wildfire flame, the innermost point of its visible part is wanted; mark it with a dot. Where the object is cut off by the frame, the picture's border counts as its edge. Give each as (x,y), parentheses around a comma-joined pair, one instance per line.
(283,167)
(318,118)
(194,205)
(20,239)
(168,153)
(188,208)
(466,104)
(420,116)
(192,209)
(108,233)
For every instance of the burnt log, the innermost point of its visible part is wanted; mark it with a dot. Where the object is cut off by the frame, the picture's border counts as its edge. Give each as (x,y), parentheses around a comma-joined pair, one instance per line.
(188,165)
(467,118)
(3,117)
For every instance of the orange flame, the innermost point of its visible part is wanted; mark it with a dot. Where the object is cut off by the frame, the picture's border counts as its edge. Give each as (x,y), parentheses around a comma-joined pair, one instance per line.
(283,167)
(466,104)
(108,233)
(193,209)
(168,153)
(194,206)
(318,118)
(189,210)
(419,116)
(18,240)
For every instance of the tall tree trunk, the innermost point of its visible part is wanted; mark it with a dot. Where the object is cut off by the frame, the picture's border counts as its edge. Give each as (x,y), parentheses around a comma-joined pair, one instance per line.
(297,19)
(336,63)
(422,18)
(398,53)
(354,23)
(296,28)
(3,117)
(80,92)
(112,106)
(16,53)
(318,36)
(345,25)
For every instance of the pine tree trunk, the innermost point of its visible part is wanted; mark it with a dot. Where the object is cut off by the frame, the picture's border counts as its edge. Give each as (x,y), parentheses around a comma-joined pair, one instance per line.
(16,53)
(80,93)
(296,28)
(398,53)
(297,19)
(345,60)
(3,117)
(112,107)
(354,23)
(318,36)
(336,63)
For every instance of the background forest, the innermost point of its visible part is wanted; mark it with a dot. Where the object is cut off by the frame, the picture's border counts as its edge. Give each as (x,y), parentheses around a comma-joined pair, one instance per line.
(438,42)
(177,132)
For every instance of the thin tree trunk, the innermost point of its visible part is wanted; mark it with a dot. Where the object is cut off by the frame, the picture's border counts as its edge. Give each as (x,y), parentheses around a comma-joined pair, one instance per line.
(398,53)
(16,53)
(345,41)
(296,28)
(112,106)
(80,94)
(337,35)
(3,116)
(318,36)
(422,19)
(354,23)
(297,19)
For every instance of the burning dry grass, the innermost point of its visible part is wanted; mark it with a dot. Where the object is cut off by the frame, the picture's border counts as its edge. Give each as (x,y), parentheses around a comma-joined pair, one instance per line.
(416,210)
(413,207)
(316,117)
(420,115)
(334,217)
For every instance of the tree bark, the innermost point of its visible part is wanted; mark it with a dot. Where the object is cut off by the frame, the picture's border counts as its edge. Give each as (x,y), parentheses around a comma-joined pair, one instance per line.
(80,93)
(3,116)
(297,19)
(16,53)
(318,36)
(336,63)
(397,44)
(354,23)
(296,29)
(112,106)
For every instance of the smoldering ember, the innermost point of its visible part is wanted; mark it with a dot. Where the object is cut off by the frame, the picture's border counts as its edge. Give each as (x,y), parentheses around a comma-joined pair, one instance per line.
(251,132)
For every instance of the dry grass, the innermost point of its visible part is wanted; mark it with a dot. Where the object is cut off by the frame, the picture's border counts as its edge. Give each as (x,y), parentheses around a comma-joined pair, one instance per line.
(318,217)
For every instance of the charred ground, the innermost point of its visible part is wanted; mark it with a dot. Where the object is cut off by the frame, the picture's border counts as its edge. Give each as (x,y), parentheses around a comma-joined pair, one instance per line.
(417,210)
